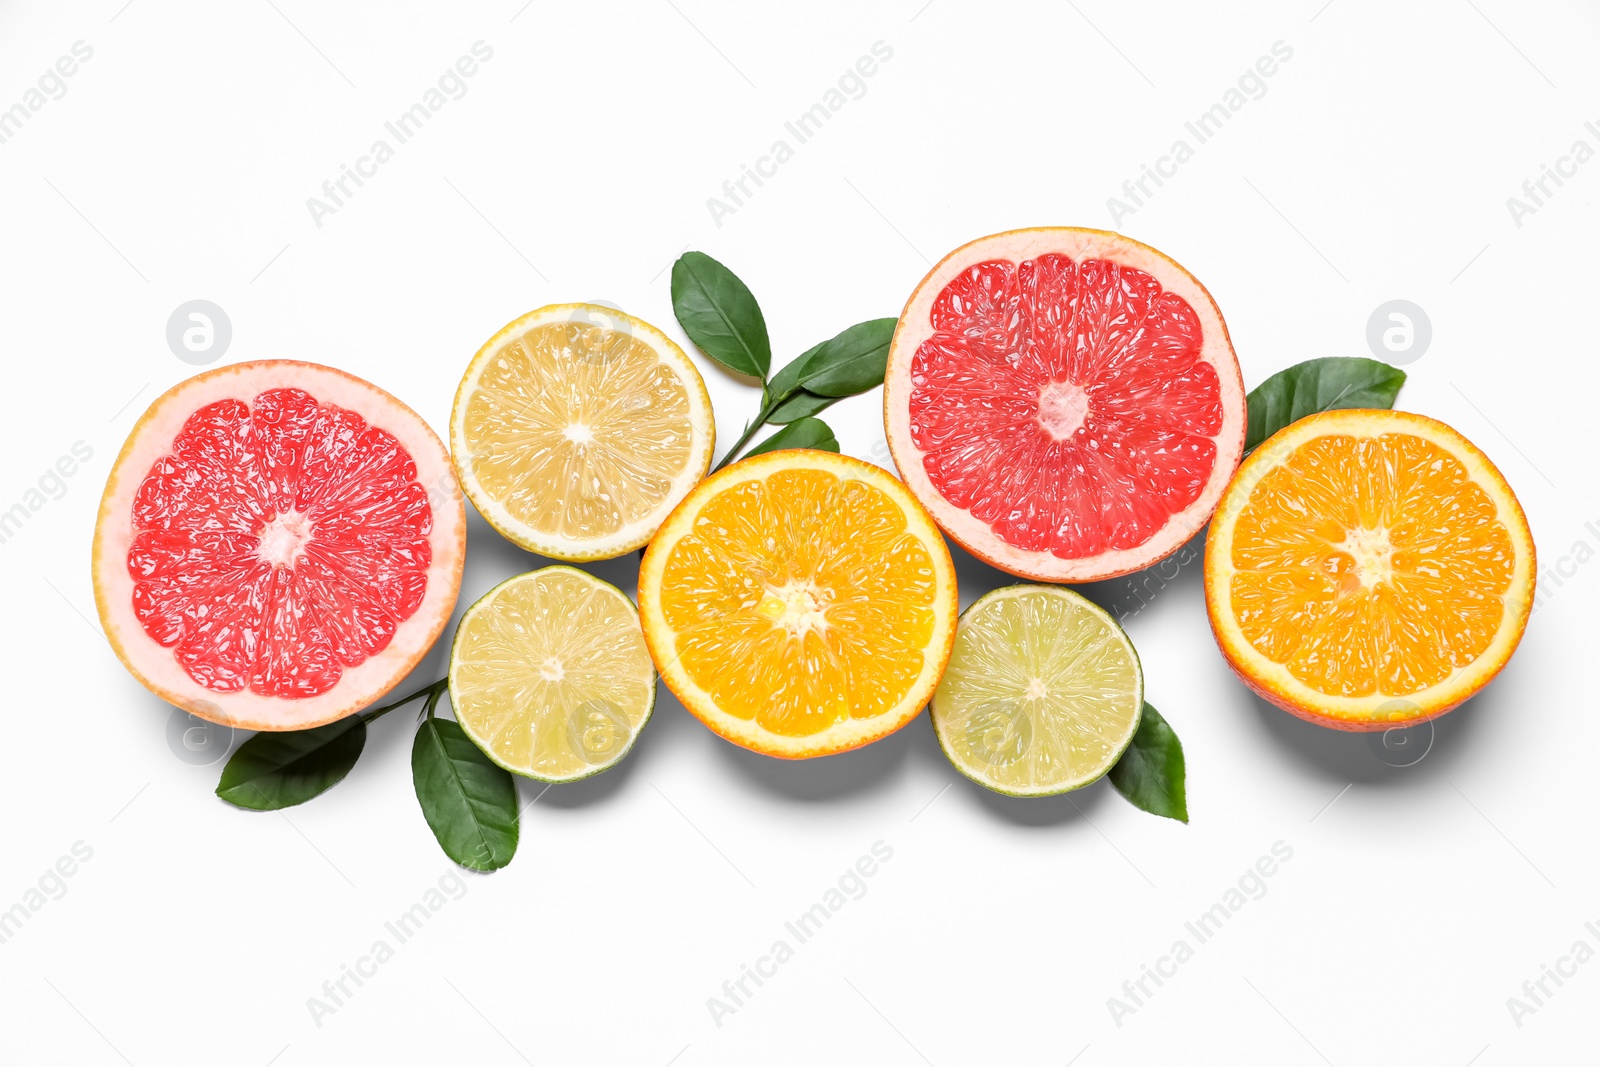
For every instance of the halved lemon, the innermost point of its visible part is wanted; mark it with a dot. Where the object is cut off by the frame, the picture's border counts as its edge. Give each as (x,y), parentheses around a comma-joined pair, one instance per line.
(578,428)
(550,676)
(1368,569)
(799,603)
(1042,694)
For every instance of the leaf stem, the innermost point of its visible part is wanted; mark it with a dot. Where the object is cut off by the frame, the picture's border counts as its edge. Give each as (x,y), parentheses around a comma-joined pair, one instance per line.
(432,692)
(759,421)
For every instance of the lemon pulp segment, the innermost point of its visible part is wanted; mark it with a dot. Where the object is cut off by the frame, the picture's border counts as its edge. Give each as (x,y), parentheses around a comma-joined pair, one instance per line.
(577,430)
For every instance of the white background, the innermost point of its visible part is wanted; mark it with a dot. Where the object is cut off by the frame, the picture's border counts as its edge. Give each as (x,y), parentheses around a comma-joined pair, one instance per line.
(577,166)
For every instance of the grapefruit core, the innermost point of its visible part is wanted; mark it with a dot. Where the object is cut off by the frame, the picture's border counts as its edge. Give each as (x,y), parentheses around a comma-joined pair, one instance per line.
(1064,402)
(279,543)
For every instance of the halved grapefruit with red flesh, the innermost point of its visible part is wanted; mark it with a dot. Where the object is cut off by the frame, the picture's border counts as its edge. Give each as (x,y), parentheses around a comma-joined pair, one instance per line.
(278,545)
(1065,402)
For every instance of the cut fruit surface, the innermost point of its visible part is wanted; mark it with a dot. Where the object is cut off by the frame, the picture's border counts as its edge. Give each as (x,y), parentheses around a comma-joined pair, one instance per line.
(799,603)
(278,544)
(550,676)
(1368,569)
(577,428)
(1065,402)
(1042,694)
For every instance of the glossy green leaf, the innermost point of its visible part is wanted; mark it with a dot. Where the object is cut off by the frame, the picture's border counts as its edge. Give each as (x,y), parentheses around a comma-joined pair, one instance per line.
(848,363)
(1319,385)
(801,433)
(279,770)
(1150,773)
(799,406)
(720,314)
(787,379)
(470,804)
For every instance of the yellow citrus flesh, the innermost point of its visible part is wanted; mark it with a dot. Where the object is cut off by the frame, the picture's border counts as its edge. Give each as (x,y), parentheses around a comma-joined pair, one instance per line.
(577,428)
(1043,692)
(800,603)
(549,674)
(1369,568)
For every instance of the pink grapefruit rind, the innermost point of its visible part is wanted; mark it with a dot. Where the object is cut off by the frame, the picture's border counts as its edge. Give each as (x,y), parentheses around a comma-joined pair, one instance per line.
(977,536)
(155,666)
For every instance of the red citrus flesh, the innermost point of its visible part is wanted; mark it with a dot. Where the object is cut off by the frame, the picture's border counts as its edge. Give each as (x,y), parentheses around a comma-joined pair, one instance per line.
(1065,402)
(277,542)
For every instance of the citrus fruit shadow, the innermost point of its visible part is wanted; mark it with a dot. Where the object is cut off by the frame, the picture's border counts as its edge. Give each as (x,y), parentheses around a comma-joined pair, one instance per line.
(1122,597)
(1343,756)
(1060,809)
(975,579)
(862,771)
(491,560)
(661,744)
(1164,581)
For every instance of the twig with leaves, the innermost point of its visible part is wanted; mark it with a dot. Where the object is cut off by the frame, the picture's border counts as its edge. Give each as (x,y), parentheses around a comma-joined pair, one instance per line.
(722,318)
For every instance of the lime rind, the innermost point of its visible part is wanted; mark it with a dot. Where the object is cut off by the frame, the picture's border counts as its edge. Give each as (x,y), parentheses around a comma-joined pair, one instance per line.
(473,728)
(1019,693)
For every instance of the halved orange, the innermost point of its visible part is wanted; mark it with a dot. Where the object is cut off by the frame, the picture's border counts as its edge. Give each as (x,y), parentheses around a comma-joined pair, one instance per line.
(1368,569)
(799,603)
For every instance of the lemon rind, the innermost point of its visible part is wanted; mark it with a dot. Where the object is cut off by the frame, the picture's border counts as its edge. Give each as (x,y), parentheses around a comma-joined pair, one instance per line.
(637,533)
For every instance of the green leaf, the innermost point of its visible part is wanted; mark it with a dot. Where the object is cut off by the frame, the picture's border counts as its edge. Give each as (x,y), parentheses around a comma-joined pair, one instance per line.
(801,433)
(279,770)
(1319,385)
(787,380)
(799,406)
(470,804)
(720,314)
(848,363)
(1150,772)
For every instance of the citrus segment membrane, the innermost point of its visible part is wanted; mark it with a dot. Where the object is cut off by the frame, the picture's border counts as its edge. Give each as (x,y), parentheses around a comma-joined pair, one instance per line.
(590,411)
(279,542)
(1368,568)
(1065,404)
(550,676)
(815,579)
(800,603)
(1368,565)
(577,429)
(1042,694)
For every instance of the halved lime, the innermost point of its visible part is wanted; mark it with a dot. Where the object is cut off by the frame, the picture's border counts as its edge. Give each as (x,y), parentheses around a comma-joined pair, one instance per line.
(550,676)
(1042,695)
